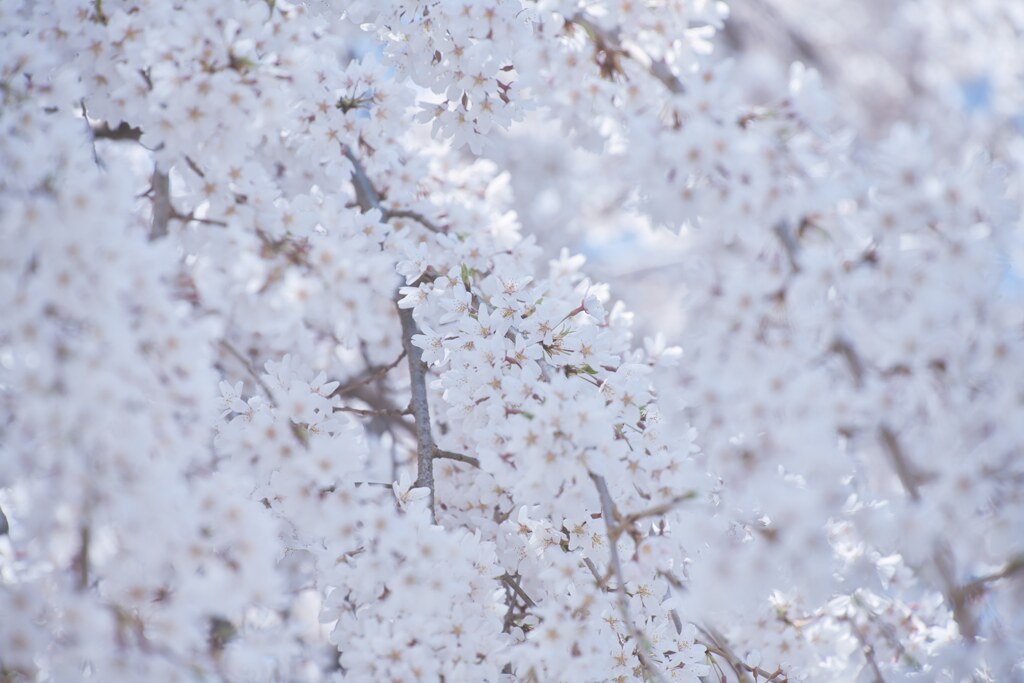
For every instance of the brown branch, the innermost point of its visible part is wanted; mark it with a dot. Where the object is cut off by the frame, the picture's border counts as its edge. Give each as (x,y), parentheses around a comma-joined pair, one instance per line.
(379,412)
(607,511)
(412,215)
(719,646)
(449,455)
(789,245)
(513,583)
(739,667)
(976,586)
(194,166)
(845,349)
(81,559)
(907,473)
(378,403)
(676,621)
(959,601)
(899,461)
(867,649)
(373,483)
(192,218)
(609,43)
(960,597)
(5,526)
(601,582)
(659,509)
(123,131)
(224,344)
(374,375)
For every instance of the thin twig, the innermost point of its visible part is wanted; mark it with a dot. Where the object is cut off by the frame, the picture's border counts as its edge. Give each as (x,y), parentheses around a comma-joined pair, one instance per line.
(676,621)
(718,645)
(224,344)
(192,218)
(412,215)
(194,166)
(867,649)
(510,612)
(593,570)
(789,244)
(449,455)
(379,412)
(513,583)
(373,376)
(849,354)
(377,402)
(899,460)
(607,511)
(5,526)
(609,41)
(81,559)
(659,509)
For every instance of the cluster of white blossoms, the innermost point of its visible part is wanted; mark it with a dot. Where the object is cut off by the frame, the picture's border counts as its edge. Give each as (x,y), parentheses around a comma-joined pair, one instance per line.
(297,382)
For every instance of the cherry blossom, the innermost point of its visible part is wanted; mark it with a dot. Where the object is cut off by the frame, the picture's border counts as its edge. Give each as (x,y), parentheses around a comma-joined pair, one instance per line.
(519,341)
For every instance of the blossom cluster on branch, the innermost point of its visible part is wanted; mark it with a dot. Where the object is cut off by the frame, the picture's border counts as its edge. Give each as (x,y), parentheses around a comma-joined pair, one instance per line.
(299,381)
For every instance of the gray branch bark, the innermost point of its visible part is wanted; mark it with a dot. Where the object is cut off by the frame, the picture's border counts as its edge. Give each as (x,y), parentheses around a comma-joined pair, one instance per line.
(368,198)
(622,599)
(162,209)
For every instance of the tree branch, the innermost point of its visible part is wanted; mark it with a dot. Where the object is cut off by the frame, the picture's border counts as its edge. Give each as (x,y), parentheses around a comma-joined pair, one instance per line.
(192,218)
(659,509)
(1014,566)
(608,41)
(387,413)
(363,412)
(789,245)
(224,344)
(867,649)
(81,559)
(373,376)
(720,646)
(899,460)
(448,455)
(412,215)
(607,511)
(162,209)
(368,198)
(366,195)
(513,583)
(425,446)
(123,131)
(845,349)
(958,599)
